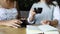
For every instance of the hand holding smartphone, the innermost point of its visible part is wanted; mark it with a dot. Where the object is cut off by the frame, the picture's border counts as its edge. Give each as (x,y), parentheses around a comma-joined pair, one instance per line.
(38,10)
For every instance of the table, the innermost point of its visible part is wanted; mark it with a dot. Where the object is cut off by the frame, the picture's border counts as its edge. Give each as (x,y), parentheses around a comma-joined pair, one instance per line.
(9,30)
(58,28)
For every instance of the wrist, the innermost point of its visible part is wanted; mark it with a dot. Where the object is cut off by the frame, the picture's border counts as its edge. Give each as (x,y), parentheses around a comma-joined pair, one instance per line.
(2,22)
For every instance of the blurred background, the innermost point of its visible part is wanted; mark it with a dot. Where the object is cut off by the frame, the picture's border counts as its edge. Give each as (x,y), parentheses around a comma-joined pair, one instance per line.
(24,7)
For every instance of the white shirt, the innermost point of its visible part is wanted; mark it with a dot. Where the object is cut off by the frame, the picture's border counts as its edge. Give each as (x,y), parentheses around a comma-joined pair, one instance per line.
(47,13)
(8,14)
(56,13)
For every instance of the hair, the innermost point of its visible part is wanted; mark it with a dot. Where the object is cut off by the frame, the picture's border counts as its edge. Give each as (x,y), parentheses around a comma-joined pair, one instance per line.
(18,16)
(11,0)
(58,1)
(49,2)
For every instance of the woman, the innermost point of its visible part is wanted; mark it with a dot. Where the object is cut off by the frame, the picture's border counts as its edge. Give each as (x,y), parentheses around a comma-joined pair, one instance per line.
(46,16)
(8,13)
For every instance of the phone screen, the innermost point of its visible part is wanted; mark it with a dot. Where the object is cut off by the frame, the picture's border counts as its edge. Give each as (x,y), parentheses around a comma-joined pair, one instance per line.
(38,10)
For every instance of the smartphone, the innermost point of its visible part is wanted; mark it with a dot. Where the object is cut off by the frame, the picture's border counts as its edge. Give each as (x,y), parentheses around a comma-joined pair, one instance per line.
(38,10)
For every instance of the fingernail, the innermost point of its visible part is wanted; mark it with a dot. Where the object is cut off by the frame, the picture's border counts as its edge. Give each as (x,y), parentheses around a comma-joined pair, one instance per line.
(21,22)
(15,27)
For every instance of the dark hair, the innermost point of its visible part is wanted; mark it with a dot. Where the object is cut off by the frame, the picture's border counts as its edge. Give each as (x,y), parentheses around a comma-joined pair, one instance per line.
(58,1)
(18,10)
(11,0)
(18,16)
(50,2)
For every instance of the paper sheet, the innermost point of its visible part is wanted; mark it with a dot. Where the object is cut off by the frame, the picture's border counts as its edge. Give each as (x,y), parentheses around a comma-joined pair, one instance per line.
(47,28)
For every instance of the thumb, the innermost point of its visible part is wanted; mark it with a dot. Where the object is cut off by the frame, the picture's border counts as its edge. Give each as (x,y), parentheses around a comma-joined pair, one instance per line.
(48,23)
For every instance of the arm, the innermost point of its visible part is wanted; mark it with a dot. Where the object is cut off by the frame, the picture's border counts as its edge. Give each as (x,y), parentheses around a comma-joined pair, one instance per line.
(12,23)
(31,16)
(2,22)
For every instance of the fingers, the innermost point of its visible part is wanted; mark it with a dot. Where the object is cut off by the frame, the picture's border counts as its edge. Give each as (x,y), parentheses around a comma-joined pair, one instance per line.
(48,23)
(18,22)
(16,25)
(13,25)
(33,13)
(45,22)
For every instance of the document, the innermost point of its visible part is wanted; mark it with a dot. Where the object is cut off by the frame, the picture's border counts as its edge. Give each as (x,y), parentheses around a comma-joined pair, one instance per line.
(46,29)
(32,30)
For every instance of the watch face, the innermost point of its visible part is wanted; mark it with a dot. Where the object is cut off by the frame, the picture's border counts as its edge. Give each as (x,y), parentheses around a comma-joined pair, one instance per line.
(38,10)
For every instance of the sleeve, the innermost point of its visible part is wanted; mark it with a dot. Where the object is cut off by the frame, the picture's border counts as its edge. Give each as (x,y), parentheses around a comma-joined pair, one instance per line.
(56,14)
(2,15)
(32,8)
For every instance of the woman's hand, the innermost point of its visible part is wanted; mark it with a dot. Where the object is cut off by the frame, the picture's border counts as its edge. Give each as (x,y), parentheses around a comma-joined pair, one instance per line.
(33,13)
(52,23)
(16,21)
(13,23)
(44,22)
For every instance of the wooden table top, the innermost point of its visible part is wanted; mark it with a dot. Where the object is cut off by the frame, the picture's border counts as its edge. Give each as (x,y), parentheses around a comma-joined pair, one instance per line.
(9,30)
